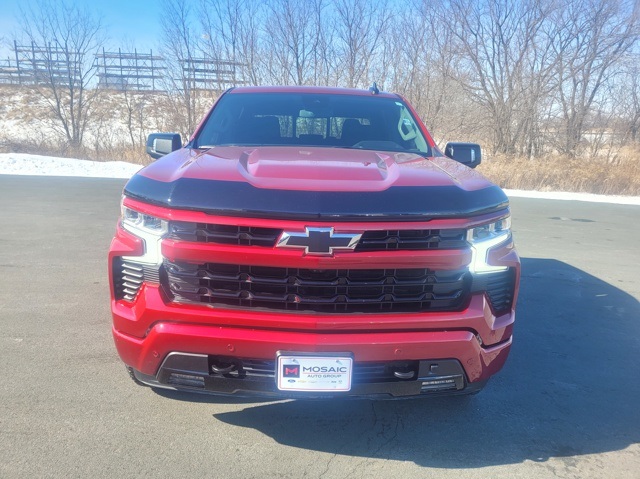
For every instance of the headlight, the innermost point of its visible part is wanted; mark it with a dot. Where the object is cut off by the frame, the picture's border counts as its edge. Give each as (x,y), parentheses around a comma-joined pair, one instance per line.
(145,223)
(485,237)
(150,229)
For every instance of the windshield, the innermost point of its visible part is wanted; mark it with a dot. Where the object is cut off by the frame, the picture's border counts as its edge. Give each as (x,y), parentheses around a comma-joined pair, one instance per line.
(308,119)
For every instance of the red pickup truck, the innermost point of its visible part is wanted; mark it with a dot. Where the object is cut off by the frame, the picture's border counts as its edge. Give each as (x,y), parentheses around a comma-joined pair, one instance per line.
(313,242)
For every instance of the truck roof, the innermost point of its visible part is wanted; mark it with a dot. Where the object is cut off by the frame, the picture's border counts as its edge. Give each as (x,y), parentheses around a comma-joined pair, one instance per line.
(310,89)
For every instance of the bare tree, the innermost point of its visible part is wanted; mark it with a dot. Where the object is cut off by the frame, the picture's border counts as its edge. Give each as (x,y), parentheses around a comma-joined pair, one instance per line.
(359,26)
(64,38)
(631,99)
(292,39)
(532,76)
(182,51)
(231,32)
(423,68)
(497,41)
(595,36)
(134,105)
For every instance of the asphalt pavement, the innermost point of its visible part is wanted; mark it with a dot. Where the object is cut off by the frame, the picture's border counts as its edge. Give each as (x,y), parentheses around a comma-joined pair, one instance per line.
(565,405)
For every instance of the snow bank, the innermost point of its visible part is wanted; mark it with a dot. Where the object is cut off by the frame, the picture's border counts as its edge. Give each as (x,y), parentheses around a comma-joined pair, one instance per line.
(23,164)
(568,196)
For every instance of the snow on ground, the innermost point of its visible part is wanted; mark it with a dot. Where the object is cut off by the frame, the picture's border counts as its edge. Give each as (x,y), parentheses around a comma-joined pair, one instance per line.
(23,164)
(568,196)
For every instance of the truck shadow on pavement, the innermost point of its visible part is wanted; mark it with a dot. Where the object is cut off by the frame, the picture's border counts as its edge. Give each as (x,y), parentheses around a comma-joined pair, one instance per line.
(570,387)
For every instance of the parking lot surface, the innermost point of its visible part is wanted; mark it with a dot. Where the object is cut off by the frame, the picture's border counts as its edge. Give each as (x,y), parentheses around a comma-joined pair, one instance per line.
(566,404)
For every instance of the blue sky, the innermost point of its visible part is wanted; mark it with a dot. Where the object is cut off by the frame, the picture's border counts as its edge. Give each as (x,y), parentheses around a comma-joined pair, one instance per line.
(126,21)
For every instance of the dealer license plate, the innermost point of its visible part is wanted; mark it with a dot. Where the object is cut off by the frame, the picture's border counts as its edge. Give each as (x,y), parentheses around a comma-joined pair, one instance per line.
(319,373)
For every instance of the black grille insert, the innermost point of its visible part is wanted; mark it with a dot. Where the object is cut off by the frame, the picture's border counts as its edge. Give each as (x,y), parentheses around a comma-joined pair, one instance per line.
(372,240)
(413,239)
(223,234)
(499,287)
(328,291)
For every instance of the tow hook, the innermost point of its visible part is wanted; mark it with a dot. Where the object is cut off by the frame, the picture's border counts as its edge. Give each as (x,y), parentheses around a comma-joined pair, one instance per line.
(223,368)
(404,374)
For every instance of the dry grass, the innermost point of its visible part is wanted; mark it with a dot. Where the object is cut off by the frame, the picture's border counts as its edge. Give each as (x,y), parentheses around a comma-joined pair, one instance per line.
(554,173)
(131,155)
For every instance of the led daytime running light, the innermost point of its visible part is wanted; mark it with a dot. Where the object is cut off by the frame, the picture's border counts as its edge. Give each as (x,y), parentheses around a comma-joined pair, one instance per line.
(148,228)
(483,239)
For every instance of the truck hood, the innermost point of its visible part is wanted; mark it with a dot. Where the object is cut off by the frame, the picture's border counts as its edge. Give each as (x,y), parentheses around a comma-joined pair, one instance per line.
(313,183)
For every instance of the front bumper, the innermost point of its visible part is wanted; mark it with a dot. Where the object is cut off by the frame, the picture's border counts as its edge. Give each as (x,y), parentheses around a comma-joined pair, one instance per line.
(189,331)
(191,373)
(152,331)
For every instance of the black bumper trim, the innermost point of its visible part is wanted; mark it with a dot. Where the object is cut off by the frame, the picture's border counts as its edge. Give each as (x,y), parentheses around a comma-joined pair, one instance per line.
(189,373)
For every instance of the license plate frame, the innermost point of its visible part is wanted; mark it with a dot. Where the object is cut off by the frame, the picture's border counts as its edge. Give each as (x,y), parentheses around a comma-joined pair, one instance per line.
(314,372)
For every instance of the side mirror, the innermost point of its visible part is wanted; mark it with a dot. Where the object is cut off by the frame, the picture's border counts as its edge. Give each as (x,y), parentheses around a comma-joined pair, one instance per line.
(468,154)
(160,144)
